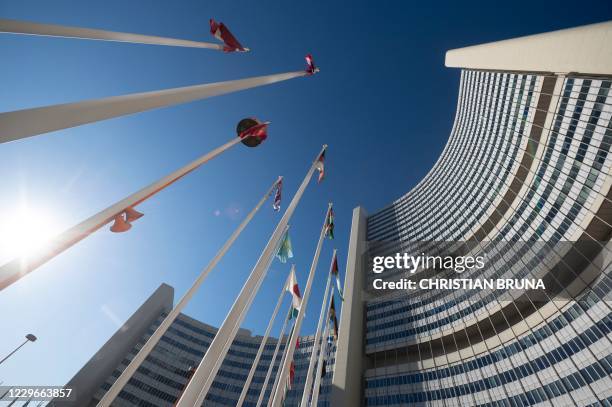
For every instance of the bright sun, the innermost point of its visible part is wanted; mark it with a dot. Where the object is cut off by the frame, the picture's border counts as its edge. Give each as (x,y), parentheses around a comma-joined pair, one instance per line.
(23,230)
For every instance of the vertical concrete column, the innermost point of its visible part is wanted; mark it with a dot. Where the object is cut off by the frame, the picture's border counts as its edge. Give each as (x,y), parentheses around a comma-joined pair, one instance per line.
(348,370)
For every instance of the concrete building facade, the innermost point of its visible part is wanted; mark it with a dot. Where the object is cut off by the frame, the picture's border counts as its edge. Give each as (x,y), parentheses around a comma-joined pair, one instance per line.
(161,378)
(524,180)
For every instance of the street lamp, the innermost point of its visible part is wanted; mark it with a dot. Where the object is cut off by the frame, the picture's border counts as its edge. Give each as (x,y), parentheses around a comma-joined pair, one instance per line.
(29,338)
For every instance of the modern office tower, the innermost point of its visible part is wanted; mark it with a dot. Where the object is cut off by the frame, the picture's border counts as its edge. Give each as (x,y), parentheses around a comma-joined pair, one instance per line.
(524,180)
(164,373)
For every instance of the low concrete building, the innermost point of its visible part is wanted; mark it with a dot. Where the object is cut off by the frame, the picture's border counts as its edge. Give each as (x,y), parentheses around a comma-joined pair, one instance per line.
(163,375)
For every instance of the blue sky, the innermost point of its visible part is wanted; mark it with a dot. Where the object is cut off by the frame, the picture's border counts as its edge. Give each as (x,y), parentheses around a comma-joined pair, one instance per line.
(384,102)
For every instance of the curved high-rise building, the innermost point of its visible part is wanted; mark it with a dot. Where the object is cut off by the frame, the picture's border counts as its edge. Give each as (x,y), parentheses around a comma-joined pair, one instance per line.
(524,181)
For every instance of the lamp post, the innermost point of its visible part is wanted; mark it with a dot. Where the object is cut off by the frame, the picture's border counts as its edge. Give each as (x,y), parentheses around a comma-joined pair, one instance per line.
(29,338)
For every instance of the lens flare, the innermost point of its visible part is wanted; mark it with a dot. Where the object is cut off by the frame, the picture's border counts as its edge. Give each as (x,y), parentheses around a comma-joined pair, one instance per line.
(24,230)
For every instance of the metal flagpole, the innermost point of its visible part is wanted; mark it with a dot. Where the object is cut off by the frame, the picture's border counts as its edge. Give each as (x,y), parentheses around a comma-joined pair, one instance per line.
(284,369)
(322,355)
(30,122)
(282,362)
(209,366)
(127,373)
(52,30)
(262,346)
(19,267)
(313,355)
(269,372)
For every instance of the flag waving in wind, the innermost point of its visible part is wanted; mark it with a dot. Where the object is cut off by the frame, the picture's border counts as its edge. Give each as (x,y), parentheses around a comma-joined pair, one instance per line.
(222,33)
(332,318)
(320,165)
(311,68)
(291,374)
(285,251)
(288,383)
(335,272)
(252,131)
(296,298)
(277,195)
(329,224)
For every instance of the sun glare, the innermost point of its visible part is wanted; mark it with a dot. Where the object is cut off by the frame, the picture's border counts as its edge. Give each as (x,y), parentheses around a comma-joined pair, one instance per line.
(24,230)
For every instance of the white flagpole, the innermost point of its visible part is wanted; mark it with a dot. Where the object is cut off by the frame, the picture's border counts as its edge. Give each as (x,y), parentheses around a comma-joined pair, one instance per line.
(269,372)
(322,355)
(20,124)
(62,31)
(127,373)
(262,346)
(284,369)
(313,355)
(282,362)
(19,267)
(199,385)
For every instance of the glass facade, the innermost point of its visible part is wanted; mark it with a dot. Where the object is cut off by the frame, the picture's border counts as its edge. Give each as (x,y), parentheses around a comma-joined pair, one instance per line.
(525,178)
(164,373)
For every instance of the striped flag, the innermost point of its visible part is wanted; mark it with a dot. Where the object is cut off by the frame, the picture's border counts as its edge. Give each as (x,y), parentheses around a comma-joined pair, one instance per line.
(277,196)
(296,297)
(222,33)
(285,251)
(329,224)
(336,273)
(320,165)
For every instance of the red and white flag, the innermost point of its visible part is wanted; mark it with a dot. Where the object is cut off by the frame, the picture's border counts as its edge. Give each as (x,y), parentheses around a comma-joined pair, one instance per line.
(296,297)
(320,165)
(222,33)
(311,68)
(260,131)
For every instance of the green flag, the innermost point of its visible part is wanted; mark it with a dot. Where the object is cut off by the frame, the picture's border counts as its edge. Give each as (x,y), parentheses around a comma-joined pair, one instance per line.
(285,251)
(329,224)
